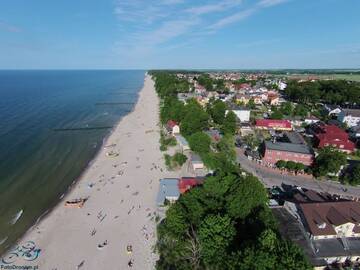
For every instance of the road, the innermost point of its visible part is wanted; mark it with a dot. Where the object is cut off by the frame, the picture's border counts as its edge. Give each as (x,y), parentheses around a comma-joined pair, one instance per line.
(270,179)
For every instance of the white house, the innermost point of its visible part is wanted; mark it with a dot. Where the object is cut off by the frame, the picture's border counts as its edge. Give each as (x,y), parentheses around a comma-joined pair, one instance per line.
(311,120)
(350,117)
(172,127)
(242,114)
(196,162)
(332,109)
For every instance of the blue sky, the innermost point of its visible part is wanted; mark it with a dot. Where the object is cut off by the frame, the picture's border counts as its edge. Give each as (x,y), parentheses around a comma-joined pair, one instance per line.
(126,34)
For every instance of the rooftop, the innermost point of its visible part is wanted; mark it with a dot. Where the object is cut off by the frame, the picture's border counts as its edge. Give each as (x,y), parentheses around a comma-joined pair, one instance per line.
(195,158)
(322,217)
(289,147)
(168,188)
(352,112)
(181,140)
(295,137)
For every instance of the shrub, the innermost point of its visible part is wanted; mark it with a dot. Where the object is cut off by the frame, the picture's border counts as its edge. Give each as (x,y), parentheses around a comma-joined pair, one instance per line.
(179,159)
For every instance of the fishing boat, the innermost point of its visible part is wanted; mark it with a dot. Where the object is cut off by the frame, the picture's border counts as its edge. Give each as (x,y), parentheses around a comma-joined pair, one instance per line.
(76,203)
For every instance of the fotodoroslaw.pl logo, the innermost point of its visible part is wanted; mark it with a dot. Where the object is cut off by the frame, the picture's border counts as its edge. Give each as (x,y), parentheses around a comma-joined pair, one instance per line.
(20,256)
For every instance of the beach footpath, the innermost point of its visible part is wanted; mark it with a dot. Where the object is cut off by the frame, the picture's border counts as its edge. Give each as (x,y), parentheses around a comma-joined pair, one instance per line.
(108,219)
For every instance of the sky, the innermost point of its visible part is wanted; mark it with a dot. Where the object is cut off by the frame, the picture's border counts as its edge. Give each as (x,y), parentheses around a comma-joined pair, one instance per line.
(179,34)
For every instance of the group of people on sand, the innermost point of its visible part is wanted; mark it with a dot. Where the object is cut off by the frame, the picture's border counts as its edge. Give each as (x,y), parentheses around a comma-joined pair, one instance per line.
(129,251)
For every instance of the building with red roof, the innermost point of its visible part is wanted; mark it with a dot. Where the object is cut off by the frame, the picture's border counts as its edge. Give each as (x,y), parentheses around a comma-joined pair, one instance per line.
(331,135)
(273,124)
(172,127)
(186,183)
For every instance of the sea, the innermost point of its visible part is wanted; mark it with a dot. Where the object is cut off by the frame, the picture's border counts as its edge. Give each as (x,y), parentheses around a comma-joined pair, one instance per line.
(52,124)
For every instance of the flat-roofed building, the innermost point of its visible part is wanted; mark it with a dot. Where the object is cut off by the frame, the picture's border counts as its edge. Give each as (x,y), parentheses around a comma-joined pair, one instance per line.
(168,191)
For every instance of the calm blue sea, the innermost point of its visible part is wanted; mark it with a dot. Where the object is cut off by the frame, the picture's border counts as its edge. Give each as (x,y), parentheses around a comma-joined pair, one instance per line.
(37,164)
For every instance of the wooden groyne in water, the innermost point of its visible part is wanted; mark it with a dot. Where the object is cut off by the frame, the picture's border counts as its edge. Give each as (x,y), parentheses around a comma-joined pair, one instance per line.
(82,128)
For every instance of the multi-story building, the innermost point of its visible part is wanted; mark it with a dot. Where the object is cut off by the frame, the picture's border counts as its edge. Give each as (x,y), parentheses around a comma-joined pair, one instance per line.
(275,151)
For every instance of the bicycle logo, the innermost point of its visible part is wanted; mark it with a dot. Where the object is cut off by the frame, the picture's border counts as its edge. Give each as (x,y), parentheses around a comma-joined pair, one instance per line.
(27,252)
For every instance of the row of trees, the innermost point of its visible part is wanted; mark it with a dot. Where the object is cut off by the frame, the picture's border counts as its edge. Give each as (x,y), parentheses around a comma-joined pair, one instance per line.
(225,223)
(290,166)
(333,92)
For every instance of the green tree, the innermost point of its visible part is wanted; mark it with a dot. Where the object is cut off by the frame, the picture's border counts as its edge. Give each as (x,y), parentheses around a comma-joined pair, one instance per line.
(215,235)
(328,161)
(300,110)
(206,81)
(179,159)
(353,177)
(277,114)
(217,111)
(251,104)
(195,120)
(175,222)
(291,165)
(246,194)
(229,126)
(291,257)
(227,146)
(200,142)
(281,164)
(268,240)
(286,108)
(299,167)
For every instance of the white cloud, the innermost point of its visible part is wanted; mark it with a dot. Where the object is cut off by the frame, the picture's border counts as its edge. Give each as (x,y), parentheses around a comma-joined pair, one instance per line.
(214,7)
(270,3)
(148,25)
(243,14)
(172,2)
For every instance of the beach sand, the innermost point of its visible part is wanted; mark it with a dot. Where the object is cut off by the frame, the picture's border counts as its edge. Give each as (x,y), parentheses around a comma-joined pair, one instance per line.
(121,207)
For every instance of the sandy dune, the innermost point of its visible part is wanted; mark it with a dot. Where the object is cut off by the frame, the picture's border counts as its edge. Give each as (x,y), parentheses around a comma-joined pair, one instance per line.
(121,206)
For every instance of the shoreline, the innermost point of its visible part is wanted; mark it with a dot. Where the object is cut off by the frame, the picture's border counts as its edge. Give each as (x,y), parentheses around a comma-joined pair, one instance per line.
(73,184)
(54,251)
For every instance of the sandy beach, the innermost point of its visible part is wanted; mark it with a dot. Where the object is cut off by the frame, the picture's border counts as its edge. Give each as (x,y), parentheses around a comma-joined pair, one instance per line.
(121,189)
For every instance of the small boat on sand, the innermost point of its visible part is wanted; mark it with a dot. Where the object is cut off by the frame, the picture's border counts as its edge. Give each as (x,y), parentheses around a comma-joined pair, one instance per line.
(112,154)
(76,203)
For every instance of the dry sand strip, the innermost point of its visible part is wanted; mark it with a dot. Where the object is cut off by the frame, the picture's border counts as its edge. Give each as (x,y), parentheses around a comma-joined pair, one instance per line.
(121,207)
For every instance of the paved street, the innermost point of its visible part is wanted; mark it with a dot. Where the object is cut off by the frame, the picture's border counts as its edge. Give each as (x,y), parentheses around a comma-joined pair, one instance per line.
(270,179)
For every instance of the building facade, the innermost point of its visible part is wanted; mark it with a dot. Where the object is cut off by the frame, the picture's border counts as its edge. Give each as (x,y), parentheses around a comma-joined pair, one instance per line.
(273,124)
(299,153)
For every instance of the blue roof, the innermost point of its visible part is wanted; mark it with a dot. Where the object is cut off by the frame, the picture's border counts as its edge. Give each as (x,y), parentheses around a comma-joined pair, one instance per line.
(182,140)
(195,158)
(168,187)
